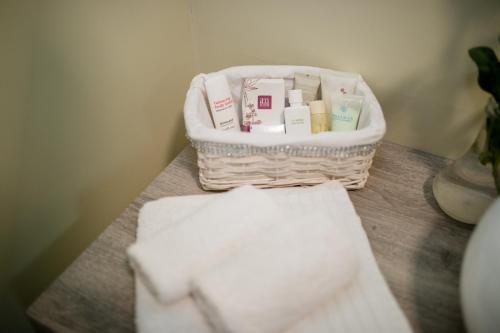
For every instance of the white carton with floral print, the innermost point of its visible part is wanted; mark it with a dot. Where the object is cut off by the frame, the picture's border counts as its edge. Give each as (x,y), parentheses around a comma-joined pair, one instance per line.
(262,103)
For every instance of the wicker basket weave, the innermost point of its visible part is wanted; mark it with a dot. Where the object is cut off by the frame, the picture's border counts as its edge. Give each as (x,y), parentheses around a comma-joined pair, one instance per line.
(225,165)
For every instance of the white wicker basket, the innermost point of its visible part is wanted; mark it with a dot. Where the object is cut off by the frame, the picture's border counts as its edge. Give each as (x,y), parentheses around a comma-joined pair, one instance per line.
(230,159)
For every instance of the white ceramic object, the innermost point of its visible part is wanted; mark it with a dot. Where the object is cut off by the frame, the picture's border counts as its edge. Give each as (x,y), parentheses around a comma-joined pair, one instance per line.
(480,277)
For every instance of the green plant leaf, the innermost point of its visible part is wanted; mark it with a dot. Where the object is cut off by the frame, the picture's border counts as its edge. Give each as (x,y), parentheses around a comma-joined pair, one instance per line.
(489,70)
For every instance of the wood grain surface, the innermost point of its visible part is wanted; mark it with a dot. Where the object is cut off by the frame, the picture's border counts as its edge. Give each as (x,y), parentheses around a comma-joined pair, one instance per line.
(418,248)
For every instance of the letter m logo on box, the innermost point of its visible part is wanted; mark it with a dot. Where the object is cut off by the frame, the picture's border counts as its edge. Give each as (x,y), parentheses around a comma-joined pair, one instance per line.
(264,102)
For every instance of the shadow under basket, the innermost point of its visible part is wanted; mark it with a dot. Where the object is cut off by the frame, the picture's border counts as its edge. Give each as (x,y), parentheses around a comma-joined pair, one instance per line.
(227,160)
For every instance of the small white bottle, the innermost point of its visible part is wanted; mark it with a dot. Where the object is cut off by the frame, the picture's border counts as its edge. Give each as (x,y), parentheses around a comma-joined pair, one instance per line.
(221,101)
(297,115)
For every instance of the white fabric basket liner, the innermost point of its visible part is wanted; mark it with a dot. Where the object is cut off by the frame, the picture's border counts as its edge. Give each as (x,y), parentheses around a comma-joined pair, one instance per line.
(200,128)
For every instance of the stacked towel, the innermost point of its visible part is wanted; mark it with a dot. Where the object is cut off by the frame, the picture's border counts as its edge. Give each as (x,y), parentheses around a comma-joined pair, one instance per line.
(169,261)
(282,276)
(152,316)
(364,305)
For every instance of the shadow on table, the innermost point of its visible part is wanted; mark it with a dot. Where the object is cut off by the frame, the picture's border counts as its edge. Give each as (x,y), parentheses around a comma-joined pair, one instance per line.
(438,265)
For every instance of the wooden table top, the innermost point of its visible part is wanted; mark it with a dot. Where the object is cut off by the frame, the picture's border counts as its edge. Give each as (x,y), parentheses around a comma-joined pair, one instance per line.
(418,248)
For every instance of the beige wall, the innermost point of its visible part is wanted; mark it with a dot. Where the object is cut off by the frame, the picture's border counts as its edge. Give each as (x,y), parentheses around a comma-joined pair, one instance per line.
(412,53)
(93,100)
(14,83)
(15,58)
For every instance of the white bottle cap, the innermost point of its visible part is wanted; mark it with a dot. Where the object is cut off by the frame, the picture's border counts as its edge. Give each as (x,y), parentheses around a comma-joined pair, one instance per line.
(295,96)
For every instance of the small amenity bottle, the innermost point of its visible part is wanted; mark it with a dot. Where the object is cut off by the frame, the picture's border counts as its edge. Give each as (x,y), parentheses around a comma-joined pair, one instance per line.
(221,101)
(345,112)
(297,115)
(319,117)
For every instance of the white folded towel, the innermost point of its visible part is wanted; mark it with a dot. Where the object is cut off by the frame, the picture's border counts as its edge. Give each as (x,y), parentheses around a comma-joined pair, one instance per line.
(168,262)
(281,276)
(367,305)
(152,316)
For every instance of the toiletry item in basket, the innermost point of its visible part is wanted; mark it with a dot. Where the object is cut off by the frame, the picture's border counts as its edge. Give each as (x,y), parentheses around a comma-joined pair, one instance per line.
(345,112)
(297,115)
(332,85)
(262,102)
(319,117)
(272,129)
(221,102)
(309,84)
